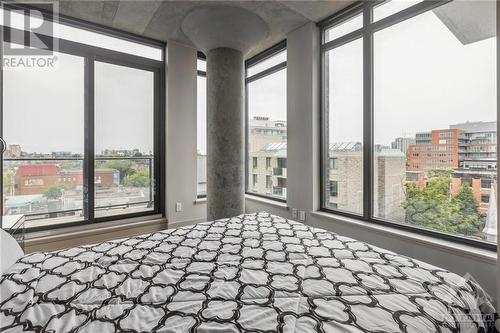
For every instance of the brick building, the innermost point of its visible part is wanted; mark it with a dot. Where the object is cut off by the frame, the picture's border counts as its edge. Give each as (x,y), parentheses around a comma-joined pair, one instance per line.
(37,178)
(437,149)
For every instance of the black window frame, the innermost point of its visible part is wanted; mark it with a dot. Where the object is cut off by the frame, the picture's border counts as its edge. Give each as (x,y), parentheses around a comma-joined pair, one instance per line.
(264,55)
(90,55)
(366,33)
(201,56)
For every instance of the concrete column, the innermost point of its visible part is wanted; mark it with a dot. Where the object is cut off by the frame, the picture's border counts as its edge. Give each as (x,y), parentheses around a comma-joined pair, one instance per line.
(225,34)
(226,133)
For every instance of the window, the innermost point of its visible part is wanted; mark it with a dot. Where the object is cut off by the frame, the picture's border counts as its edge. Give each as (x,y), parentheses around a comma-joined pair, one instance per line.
(269,182)
(333,163)
(254,180)
(201,128)
(266,123)
(486,183)
(345,123)
(255,162)
(333,188)
(34,181)
(93,38)
(124,99)
(408,106)
(71,156)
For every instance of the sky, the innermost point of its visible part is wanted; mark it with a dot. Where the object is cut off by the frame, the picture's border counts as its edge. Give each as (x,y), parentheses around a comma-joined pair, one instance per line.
(424,79)
(44,109)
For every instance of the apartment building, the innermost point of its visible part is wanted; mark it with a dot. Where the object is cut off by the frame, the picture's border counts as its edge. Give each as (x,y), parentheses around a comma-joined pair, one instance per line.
(267,170)
(403,144)
(468,148)
(263,131)
(437,149)
(346,181)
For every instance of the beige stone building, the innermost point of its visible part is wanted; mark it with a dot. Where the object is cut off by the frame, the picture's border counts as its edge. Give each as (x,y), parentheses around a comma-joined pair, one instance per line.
(345,190)
(263,131)
(267,171)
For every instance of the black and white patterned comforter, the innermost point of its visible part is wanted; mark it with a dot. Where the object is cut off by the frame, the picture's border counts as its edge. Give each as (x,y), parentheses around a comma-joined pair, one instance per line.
(251,273)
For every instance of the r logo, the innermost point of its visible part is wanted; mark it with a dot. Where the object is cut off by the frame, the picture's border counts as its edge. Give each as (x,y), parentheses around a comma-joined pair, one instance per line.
(30,31)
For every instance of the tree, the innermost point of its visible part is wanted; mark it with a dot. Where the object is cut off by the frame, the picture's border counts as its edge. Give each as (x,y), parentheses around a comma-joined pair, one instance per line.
(68,164)
(433,207)
(123,166)
(139,179)
(54,192)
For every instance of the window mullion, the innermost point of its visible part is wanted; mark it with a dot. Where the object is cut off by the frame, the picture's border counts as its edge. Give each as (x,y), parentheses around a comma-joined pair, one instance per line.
(88,159)
(368,153)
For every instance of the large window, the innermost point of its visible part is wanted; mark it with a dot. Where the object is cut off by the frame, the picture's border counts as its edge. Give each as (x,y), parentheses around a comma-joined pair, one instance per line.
(266,124)
(124,163)
(83,135)
(409,109)
(201,128)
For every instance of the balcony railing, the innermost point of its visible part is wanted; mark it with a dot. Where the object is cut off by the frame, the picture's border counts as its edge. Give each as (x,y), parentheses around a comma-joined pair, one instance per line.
(279,172)
(58,197)
(279,191)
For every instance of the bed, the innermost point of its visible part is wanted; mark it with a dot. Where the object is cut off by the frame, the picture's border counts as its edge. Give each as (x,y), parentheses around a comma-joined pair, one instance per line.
(250,273)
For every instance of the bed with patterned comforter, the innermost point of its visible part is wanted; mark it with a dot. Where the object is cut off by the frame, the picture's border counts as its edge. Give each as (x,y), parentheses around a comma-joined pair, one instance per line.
(251,273)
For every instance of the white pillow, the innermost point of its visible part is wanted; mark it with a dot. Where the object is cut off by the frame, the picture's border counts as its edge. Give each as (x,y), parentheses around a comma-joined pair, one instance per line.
(10,251)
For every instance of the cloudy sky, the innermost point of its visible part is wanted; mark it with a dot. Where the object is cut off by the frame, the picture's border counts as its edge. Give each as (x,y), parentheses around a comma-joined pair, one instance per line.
(44,109)
(424,79)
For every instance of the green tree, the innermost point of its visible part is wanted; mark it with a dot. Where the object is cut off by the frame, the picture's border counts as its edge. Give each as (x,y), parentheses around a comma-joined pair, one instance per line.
(54,192)
(124,166)
(6,179)
(433,207)
(139,179)
(68,164)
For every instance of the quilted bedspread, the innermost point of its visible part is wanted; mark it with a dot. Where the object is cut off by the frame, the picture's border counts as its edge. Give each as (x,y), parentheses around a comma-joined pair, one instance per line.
(251,273)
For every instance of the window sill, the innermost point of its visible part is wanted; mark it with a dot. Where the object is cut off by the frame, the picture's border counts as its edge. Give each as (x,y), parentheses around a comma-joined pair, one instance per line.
(484,255)
(267,201)
(93,228)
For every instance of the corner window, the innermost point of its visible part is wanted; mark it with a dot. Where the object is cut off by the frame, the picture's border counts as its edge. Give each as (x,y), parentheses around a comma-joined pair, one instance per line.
(266,122)
(70,155)
(403,140)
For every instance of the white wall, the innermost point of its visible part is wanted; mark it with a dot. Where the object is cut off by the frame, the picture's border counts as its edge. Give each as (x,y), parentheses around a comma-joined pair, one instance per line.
(181,135)
(303,118)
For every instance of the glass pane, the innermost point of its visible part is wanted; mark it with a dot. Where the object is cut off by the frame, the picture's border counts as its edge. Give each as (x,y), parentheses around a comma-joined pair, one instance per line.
(201,125)
(435,121)
(201,65)
(267,135)
(344,28)
(87,37)
(43,126)
(268,63)
(392,7)
(124,108)
(345,134)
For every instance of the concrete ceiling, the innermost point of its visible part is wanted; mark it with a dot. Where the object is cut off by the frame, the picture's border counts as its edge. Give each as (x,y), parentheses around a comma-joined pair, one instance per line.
(161,20)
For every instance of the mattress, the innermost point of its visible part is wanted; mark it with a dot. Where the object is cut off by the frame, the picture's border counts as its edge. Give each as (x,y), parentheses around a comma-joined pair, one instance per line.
(250,273)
